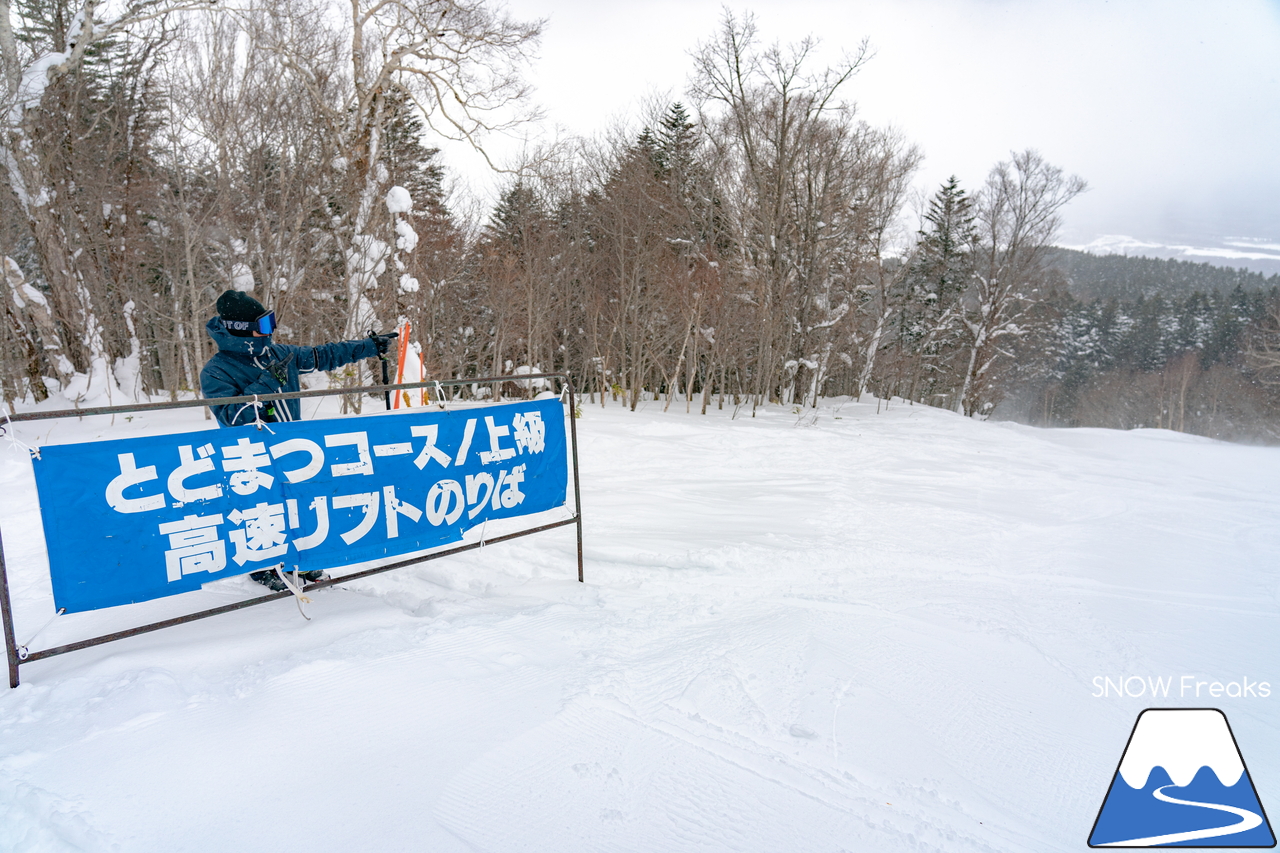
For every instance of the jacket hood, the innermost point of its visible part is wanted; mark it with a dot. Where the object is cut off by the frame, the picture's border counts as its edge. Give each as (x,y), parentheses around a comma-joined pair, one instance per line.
(228,342)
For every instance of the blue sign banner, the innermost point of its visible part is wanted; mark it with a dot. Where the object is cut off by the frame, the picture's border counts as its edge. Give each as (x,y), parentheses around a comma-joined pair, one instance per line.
(136,519)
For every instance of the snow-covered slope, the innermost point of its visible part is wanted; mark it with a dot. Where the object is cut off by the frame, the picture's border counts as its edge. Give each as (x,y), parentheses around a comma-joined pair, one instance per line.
(857,630)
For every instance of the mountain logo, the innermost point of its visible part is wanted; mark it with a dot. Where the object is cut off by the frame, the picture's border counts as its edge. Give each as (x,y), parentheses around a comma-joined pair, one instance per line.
(1182,783)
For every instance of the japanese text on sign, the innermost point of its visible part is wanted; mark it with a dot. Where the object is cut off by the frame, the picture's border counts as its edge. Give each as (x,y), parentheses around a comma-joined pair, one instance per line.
(141,518)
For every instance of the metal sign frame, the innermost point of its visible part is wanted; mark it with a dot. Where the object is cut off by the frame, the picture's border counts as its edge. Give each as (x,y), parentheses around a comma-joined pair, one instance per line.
(18,655)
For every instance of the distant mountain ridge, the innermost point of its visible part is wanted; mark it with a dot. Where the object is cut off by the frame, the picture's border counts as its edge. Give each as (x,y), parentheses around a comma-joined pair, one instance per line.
(1125,277)
(1251,253)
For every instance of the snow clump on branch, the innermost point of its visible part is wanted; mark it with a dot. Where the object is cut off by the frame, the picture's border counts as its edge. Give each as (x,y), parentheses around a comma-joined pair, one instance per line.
(399,200)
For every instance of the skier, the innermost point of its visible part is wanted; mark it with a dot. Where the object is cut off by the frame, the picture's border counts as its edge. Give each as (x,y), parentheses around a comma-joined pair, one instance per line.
(247,362)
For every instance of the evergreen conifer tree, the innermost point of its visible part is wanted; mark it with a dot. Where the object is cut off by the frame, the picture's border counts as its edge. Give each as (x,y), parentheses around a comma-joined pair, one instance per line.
(677,141)
(411,164)
(518,212)
(941,268)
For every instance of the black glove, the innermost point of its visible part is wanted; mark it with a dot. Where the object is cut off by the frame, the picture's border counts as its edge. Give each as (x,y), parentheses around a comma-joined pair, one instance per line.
(279,370)
(382,341)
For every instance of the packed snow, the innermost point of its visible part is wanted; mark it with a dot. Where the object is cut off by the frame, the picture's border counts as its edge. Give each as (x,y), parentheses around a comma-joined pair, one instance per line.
(858,628)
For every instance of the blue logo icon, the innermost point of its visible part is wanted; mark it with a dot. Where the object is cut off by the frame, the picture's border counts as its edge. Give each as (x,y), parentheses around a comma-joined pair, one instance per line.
(1182,783)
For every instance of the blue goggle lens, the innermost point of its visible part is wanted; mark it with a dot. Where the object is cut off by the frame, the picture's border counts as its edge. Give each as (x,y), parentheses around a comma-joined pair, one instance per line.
(267,323)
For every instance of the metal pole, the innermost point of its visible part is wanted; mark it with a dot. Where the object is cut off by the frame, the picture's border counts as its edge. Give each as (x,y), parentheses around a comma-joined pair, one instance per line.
(266,398)
(577,492)
(6,612)
(42,654)
(386,380)
(11,647)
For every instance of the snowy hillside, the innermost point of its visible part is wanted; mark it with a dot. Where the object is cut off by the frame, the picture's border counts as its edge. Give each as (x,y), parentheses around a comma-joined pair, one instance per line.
(862,630)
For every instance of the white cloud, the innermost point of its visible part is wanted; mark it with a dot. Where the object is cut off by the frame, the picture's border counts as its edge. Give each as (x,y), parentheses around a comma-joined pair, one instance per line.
(1171,110)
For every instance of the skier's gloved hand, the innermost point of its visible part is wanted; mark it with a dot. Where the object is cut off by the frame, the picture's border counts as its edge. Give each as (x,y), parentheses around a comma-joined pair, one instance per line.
(279,370)
(382,341)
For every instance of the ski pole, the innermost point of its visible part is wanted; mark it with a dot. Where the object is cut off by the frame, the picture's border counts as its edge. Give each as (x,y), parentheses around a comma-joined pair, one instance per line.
(382,357)
(385,381)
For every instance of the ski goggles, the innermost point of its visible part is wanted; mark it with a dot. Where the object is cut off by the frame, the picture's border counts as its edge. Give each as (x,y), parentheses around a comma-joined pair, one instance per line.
(266,324)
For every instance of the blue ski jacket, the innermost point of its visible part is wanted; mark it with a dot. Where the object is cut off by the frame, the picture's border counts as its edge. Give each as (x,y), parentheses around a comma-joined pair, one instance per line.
(244,366)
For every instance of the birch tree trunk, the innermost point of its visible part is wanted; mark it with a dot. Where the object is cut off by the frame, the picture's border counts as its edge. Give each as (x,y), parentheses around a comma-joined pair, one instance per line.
(46,57)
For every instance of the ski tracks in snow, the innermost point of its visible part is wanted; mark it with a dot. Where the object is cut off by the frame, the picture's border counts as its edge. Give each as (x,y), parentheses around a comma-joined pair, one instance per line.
(876,633)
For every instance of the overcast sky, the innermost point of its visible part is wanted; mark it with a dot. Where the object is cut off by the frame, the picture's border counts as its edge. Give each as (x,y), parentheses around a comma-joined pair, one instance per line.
(1169,109)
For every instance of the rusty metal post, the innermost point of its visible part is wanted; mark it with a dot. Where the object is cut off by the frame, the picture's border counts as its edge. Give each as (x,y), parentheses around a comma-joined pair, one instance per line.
(577,492)
(42,654)
(6,614)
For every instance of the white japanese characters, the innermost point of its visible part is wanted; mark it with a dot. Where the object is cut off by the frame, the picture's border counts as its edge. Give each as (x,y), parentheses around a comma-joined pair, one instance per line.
(132,475)
(246,459)
(271,525)
(496,453)
(191,467)
(315,458)
(194,546)
(531,432)
(263,536)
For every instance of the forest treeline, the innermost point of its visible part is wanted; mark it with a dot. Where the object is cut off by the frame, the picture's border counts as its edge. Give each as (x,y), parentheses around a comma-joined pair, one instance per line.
(1126,277)
(1199,363)
(753,242)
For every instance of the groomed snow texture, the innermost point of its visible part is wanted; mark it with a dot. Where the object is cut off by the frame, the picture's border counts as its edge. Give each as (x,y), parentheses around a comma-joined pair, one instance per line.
(842,630)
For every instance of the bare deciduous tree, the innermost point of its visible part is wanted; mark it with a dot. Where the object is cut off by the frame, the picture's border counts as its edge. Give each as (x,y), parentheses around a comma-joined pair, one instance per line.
(456,63)
(1017,220)
(1262,349)
(767,114)
(49,61)
(890,163)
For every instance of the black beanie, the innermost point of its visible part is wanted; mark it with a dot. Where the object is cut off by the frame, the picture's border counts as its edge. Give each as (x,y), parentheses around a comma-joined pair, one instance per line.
(239,308)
